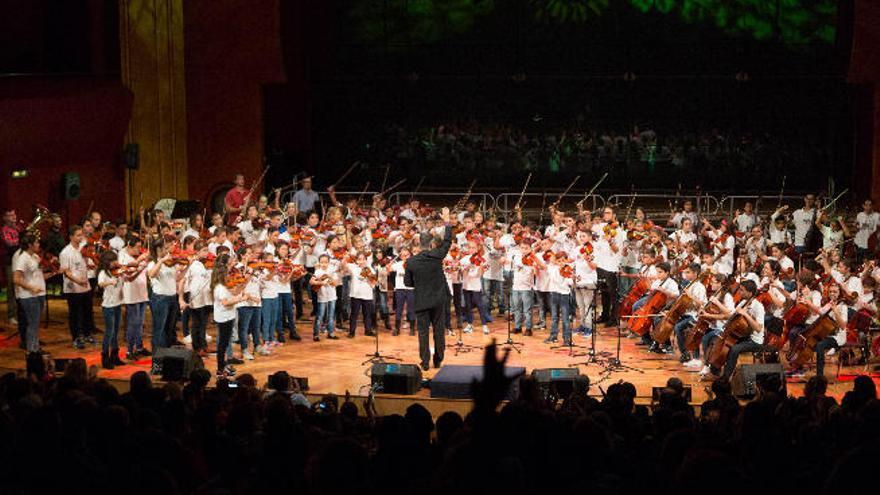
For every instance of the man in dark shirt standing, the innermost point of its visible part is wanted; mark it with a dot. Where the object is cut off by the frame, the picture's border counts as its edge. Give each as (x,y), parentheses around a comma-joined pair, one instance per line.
(424,273)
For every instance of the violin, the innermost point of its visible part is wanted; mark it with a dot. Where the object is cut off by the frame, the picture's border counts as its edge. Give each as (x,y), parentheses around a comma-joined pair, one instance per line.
(258,223)
(340,254)
(90,251)
(262,265)
(566,271)
(117,269)
(235,279)
(454,252)
(587,249)
(547,256)
(50,263)
(477,258)
(610,229)
(530,259)
(369,274)
(209,261)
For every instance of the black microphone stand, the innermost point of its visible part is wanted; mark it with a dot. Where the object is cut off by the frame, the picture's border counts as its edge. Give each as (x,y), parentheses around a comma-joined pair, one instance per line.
(510,343)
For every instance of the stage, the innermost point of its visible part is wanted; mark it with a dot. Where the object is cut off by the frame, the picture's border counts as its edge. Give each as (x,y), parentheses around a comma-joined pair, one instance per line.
(337,366)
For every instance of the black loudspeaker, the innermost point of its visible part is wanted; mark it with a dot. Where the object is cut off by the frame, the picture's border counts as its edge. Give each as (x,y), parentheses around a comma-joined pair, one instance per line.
(746,378)
(175,363)
(393,378)
(70,186)
(61,364)
(131,156)
(561,380)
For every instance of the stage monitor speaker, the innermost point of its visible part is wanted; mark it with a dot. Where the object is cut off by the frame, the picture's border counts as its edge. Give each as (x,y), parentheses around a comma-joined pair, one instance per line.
(131,156)
(687,393)
(70,186)
(393,378)
(560,380)
(175,363)
(746,378)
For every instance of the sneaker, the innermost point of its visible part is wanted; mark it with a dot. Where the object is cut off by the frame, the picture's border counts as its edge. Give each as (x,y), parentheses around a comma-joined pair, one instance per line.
(247,356)
(332,336)
(208,338)
(263,350)
(79,344)
(831,352)
(144,352)
(187,339)
(89,340)
(295,336)
(587,332)
(131,356)
(235,360)
(693,363)
(485,330)
(706,369)
(468,328)
(450,333)
(549,340)
(316,338)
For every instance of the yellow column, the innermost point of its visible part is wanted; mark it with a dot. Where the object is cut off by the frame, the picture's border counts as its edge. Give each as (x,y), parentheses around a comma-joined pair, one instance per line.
(151,41)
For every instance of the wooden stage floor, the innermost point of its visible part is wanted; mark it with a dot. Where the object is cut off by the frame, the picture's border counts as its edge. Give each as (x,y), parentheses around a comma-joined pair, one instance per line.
(337,366)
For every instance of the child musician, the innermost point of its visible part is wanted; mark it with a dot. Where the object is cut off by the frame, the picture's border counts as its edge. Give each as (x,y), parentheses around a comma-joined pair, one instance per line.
(525,264)
(324,283)
(197,283)
(697,291)
(111,307)
(560,295)
(722,306)
(585,284)
(754,316)
(403,295)
(663,283)
(363,279)
(473,265)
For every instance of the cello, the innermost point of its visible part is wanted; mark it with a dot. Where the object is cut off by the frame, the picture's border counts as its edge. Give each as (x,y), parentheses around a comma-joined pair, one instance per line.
(642,320)
(803,348)
(635,293)
(736,328)
(694,337)
(684,302)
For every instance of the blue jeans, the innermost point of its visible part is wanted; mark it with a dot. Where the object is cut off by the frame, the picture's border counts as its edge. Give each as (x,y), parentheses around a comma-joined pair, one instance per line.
(680,327)
(560,309)
(542,300)
(381,300)
(160,308)
(32,307)
(269,318)
(285,314)
(521,302)
(401,297)
(708,339)
(474,299)
(134,325)
(343,306)
(248,324)
(325,310)
(821,348)
(112,318)
(492,290)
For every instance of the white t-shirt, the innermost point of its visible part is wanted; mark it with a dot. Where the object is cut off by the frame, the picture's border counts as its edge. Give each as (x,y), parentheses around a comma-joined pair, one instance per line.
(71,259)
(523,275)
(840,335)
(197,283)
(604,257)
(113,292)
(212,246)
(268,287)
(668,286)
(117,243)
(222,312)
(558,283)
(165,281)
(802,220)
(326,293)
(360,288)
(680,216)
(585,275)
(730,305)
(756,310)
(399,271)
(470,275)
(29,267)
(867,224)
(745,221)
(831,237)
(134,291)
(697,291)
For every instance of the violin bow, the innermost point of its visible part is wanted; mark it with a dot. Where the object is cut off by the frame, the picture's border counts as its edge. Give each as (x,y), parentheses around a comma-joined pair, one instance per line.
(559,199)
(393,187)
(632,201)
(418,186)
(346,174)
(781,190)
(830,203)
(385,179)
(464,199)
(523,192)
(591,191)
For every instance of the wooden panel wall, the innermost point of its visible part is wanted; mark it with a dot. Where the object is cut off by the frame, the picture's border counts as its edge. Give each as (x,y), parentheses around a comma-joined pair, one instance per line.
(152,45)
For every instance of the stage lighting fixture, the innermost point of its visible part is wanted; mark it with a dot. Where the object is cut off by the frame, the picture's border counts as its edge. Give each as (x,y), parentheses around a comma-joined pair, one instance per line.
(19,173)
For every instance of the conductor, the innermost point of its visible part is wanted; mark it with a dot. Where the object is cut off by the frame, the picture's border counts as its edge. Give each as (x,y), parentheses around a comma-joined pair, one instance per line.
(424,273)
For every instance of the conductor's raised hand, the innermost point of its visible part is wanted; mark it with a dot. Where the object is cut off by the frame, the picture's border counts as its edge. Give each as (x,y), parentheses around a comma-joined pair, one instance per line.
(444,214)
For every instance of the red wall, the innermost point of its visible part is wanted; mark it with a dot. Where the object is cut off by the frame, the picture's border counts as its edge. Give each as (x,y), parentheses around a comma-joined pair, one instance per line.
(57,125)
(864,71)
(232,48)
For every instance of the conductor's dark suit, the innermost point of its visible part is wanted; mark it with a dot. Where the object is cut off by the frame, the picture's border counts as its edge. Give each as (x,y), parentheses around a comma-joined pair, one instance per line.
(424,273)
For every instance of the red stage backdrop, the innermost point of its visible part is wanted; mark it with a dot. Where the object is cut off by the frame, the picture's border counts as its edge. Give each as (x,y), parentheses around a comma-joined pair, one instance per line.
(50,126)
(232,48)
